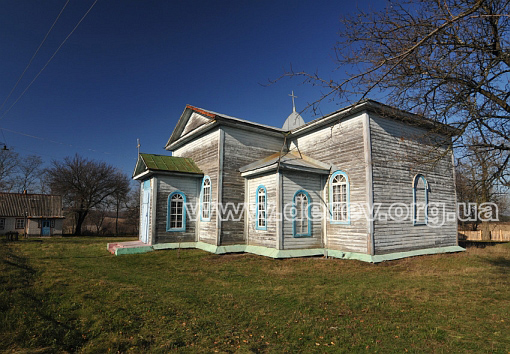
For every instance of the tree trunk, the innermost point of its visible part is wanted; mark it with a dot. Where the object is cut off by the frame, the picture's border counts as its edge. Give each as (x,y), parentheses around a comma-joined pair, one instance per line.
(79,222)
(486,233)
(117,220)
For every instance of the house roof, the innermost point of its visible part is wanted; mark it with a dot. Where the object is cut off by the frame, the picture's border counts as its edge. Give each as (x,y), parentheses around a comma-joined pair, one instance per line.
(35,205)
(291,160)
(162,163)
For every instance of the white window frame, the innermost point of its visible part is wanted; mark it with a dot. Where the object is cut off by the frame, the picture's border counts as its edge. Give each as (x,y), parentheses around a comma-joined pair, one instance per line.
(176,213)
(205,199)
(339,198)
(20,224)
(261,208)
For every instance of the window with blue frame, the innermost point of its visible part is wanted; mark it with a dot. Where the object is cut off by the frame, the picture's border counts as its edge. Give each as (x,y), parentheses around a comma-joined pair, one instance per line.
(205,199)
(261,207)
(176,215)
(339,198)
(302,223)
(420,200)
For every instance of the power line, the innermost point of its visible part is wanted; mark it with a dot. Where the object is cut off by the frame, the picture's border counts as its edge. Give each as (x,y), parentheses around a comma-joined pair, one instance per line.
(49,60)
(33,56)
(53,141)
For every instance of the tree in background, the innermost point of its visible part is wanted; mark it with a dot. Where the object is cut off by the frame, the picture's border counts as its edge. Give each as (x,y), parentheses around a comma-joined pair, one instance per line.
(478,182)
(29,170)
(84,184)
(133,208)
(446,59)
(8,163)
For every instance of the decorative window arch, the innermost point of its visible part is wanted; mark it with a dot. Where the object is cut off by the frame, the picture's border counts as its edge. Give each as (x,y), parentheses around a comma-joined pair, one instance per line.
(339,198)
(261,208)
(205,199)
(176,212)
(302,217)
(420,200)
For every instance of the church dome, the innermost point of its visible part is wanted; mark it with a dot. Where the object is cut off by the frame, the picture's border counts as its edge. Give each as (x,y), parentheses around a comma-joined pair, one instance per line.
(293,121)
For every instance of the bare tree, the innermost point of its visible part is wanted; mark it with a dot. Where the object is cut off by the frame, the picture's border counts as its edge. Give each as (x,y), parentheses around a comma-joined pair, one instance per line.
(446,59)
(29,172)
(477,184)
(84,184)
(119,197)
(133,208)
(8,162)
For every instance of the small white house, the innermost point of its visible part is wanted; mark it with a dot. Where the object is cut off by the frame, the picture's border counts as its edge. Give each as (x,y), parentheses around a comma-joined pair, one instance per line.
(368,182)
(31,214)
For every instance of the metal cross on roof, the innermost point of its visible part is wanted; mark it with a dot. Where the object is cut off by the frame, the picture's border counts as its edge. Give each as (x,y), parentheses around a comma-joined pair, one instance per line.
(293,104)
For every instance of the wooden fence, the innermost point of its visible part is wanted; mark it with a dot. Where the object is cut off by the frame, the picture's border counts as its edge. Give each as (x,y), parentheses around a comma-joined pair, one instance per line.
(497,235)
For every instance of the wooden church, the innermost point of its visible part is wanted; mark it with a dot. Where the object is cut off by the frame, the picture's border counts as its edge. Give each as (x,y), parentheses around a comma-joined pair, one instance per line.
(367,182)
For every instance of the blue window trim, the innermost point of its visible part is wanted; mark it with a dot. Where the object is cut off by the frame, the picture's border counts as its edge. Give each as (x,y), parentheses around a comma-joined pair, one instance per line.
(348,195)
(202,199)
(169,201)
(294,232)
(426,186)
(257,227)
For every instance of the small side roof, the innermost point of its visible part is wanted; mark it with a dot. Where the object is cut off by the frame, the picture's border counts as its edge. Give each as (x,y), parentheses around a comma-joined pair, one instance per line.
(150,163)
(291,160)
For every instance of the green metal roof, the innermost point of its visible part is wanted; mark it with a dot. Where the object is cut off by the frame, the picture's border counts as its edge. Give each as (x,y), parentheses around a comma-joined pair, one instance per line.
(167,163)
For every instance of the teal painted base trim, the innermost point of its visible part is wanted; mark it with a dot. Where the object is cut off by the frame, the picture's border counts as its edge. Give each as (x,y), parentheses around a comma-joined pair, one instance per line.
(274,253)
(350,255)
(133,250)
(398,255)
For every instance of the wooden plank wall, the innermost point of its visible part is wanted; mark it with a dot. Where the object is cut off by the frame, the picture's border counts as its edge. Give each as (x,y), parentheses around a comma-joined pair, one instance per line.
(496,235)
(241,147)
(397,149)
(166,186)
(266,238)
(310,182)
(341,144)
(204,151)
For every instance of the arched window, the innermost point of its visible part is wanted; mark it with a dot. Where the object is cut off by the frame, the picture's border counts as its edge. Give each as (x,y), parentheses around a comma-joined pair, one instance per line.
(205,199)
(339,198)
(302,223)
(420,200)
(176,215)
(261,217)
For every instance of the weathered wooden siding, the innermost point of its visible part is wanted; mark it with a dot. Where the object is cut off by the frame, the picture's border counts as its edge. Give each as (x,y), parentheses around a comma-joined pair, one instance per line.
(341,143)
(195,121)
(398,152)
(266,238)
(190,187)
(311,183)
(241,147)
(204,151)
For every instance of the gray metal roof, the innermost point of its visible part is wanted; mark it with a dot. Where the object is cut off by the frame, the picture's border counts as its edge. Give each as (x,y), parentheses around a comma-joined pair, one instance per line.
(35,205)
(288,160)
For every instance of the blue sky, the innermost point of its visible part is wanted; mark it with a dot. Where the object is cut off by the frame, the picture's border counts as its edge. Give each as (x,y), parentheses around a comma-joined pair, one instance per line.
(130,68)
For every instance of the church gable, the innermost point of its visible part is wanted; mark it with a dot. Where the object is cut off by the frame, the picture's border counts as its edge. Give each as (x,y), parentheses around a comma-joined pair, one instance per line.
(191,119)
(195,120)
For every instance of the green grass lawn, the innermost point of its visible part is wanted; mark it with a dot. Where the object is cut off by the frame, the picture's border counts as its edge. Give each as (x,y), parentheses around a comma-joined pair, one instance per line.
(70,294)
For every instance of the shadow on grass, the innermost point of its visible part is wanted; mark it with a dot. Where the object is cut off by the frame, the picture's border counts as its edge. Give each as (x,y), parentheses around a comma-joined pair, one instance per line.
(501,263)
(37,323)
